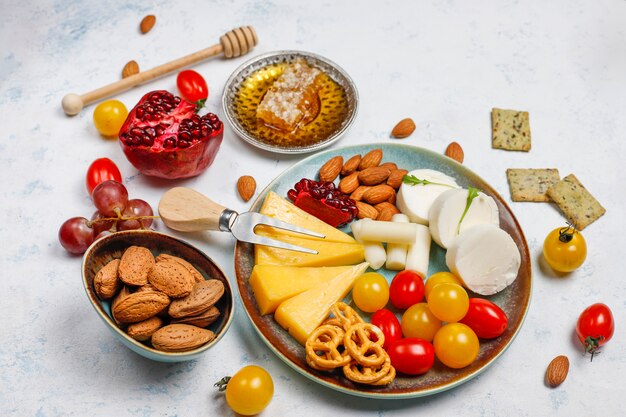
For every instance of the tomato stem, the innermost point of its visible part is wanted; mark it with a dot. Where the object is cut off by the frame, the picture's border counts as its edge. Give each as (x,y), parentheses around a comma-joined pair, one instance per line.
(592,344)
(222,383)
(565,234)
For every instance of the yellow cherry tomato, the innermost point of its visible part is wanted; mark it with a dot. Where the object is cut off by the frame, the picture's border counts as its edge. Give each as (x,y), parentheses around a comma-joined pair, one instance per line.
(370,292)
(419,321)
(565,249)
(456,345)
(448,302)
(109,116)
(440,278)
(250,390)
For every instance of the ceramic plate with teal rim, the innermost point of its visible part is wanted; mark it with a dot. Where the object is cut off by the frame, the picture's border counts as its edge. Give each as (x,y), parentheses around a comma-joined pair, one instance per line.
(514,300)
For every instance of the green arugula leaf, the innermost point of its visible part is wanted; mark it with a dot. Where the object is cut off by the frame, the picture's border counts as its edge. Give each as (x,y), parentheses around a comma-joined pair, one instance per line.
(472,193)
(413,180)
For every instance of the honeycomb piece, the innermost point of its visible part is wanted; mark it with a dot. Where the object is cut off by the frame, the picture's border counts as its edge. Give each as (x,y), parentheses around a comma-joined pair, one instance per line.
(292,98)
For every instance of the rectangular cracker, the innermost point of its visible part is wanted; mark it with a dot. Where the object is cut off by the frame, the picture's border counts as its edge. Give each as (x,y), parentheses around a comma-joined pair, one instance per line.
(530,184)
(578,205)
(510,130)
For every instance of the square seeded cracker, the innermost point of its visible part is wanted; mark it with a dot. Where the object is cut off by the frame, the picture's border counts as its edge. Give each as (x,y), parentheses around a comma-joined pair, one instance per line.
(531,184)
(578,205)
(510,130)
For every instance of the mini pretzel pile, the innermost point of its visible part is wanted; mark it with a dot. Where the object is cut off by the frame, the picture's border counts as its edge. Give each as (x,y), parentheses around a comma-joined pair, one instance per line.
(346,341)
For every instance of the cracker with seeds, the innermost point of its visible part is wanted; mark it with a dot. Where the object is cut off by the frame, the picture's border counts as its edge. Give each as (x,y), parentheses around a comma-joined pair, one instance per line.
(510,130)
(578,205)
(529,184)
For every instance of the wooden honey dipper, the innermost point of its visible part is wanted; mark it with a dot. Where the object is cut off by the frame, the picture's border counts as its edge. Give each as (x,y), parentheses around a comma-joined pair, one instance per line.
(234,43)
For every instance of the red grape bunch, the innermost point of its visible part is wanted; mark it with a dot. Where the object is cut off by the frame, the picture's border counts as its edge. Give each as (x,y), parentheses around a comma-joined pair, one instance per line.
(115,212)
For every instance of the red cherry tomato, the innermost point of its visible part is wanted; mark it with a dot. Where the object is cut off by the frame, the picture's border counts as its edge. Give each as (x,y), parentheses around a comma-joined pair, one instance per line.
(386,321)
(100,170)
(407,288)
(411,355)
(192,86)
(486,319)
(595,327)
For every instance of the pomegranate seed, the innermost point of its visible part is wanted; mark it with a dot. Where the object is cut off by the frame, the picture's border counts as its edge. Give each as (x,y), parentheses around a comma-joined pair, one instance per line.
(169,143)
(292,194)
(183,144)
(140,112)
(184,135)
(147,140)
(150,132)
(196,134)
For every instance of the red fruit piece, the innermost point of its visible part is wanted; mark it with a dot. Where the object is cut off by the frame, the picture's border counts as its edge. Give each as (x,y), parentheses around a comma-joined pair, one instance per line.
(164,137)
(324,201)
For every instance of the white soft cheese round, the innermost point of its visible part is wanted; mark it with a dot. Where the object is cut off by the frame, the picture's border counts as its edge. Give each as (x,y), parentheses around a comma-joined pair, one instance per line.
(415,200)
(447,210)
(485,257)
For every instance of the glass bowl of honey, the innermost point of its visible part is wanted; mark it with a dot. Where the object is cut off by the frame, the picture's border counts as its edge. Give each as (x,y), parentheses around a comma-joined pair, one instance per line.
(290,102)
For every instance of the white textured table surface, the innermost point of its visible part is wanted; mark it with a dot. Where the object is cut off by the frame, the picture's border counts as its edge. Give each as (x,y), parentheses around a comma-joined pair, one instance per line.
(443,63)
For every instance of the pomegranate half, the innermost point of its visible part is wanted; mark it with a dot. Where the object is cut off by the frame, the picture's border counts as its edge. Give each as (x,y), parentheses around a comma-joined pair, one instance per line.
(164,137)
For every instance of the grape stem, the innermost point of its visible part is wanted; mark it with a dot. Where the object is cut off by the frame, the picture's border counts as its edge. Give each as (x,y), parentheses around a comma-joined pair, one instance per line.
(90,223)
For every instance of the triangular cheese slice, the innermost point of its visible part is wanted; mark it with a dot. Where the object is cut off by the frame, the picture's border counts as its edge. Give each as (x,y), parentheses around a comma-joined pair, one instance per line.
(329,253)
(303,313)
(279,208)
(274,284)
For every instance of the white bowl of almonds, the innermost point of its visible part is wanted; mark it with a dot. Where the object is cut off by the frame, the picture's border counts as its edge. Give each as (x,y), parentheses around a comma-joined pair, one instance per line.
(160,296)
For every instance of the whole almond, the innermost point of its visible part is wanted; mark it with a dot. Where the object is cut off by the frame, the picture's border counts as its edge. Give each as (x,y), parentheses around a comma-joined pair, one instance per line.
(392,198)
(373,175)
(180,337)
(557,371)
(455,152)
(366,211)
(192,270)
(131,68)
(201,320)
(395,178)
(171,278)
(143,330)
(385,214)
(246,187)
(203,296)
(357,195)
(331,169)
(147,23)
(378,194)
(387,206)
(106,282)
(140,306)
(135,265)
(391,166)
(350,183)
(403,129)
(371,159)
(351,165)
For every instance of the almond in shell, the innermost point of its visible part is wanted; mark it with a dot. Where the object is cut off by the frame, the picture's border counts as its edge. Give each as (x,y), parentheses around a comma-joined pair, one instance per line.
(172,278)
(557,371)
(135,265)
(351,165)
(192,270)
(331,169)
(201,320)
(124,292)
(140,306)
(350,183)
(143,330)
(373,175)
(371,159)
(204,295)
(378,194)
(106,282)
(366,211)
(180,337)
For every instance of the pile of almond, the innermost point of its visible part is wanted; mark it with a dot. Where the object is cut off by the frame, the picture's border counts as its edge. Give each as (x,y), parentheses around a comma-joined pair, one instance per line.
(163,301)
(369,182)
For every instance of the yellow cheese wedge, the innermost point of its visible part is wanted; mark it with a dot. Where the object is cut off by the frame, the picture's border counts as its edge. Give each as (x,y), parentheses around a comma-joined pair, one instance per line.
(301,314)
(329,253)
(274,284)
(279,208)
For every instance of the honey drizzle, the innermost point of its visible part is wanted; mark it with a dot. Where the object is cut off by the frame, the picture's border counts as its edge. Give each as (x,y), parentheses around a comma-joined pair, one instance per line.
(333,108)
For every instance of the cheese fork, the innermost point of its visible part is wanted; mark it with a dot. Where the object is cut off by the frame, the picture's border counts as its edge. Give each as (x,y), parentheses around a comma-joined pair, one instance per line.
(187,210)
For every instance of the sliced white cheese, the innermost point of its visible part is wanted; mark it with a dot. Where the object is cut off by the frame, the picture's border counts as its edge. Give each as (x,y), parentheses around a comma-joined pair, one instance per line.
(396,252)
(485,257)
(375,252)
(418,253)
(447,210)
(389,232)
(415,200)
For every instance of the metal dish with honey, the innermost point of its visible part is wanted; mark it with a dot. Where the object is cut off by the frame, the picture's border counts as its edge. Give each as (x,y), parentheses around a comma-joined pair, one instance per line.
(332,115)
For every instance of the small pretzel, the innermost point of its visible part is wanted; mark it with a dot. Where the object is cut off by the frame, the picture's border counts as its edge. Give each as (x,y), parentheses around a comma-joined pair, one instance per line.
(322,348)
(367,375)
(333,321)
(387,379)
(358,342)
(345,314)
